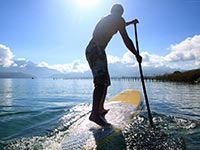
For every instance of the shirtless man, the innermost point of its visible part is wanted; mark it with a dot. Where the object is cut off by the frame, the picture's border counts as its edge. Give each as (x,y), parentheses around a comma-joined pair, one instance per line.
(96,57)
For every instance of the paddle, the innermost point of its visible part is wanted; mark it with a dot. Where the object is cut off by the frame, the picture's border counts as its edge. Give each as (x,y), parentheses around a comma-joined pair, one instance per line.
(142,79)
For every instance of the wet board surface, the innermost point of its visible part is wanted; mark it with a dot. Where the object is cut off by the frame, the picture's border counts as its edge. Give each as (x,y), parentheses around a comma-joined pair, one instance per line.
(85,134)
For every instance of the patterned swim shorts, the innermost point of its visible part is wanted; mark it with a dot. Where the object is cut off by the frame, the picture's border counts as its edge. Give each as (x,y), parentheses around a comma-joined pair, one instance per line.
(97,60)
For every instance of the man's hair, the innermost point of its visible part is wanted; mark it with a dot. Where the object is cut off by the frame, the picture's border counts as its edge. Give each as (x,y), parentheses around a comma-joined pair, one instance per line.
(117,8)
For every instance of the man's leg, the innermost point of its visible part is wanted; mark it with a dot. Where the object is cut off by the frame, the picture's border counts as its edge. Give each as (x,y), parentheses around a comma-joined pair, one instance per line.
(102,110)
(98,95)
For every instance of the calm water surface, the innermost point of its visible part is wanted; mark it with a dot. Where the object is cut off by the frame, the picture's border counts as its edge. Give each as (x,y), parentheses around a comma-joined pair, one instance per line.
(36,114)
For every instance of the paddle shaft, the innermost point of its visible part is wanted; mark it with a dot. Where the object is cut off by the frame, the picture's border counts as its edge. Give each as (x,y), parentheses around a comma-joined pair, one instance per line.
(142,79)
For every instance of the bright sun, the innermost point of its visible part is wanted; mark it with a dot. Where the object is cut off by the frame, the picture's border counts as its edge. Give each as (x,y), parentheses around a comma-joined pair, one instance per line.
(86,3)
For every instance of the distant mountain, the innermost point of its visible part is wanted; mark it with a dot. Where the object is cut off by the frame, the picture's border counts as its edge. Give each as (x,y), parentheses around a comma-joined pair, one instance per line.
(15,75)
(28,67)
(86,74)
(122,70)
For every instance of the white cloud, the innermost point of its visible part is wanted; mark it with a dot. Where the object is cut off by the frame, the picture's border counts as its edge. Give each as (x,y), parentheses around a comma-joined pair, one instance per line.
(76,66)
(152,60)
(59,67)
(6,56)
(184,55)
(44,64)
(185,51)
(14,65)
(128,58)
(22,59)
(147,59)
(23,66)
(197,63)
(113,59)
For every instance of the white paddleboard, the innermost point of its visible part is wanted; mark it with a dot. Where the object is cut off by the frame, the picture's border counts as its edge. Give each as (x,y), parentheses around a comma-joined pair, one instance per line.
(85,134)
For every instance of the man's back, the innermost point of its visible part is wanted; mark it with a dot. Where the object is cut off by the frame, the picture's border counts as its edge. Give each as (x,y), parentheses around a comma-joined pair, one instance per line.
(106,28)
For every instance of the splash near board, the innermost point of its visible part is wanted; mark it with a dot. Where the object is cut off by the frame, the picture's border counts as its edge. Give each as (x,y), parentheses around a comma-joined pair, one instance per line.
(85,134)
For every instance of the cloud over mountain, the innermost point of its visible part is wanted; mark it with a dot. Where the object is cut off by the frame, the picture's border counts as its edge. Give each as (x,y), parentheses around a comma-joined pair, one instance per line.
(183,55)
(75,66)
(6,56)
(187,50)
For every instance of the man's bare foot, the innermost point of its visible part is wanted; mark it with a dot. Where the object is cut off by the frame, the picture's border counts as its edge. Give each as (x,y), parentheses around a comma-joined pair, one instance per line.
(104,112)
(98,120)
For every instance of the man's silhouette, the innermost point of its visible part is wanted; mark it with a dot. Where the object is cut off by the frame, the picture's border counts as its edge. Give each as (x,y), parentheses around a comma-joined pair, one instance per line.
(96,57)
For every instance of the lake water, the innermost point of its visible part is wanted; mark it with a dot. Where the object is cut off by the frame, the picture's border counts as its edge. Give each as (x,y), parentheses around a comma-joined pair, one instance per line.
(36,114)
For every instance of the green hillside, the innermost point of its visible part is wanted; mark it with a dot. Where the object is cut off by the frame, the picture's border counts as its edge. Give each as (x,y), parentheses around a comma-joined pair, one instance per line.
(177,76)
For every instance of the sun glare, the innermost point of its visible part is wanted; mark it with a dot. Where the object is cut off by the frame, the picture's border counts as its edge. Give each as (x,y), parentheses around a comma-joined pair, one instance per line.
(87,3)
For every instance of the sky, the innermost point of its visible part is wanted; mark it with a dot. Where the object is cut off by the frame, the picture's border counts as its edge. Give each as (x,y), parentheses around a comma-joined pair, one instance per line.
(55,33)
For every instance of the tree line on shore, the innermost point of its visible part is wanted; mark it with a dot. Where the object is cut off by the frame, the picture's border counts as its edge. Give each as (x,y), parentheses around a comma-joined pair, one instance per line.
(177,76)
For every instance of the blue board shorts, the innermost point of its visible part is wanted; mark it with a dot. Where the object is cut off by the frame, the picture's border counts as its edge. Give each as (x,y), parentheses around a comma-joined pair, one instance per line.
(97,60)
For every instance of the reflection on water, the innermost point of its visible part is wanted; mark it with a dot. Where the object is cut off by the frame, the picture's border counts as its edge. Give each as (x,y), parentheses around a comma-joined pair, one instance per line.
(175,98)
(6,92)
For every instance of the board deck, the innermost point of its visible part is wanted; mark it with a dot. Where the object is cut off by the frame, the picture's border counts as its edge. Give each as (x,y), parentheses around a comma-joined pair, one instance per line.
(85,134)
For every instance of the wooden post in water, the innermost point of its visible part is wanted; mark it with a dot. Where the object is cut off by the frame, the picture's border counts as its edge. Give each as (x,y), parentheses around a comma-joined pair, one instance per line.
(142,79)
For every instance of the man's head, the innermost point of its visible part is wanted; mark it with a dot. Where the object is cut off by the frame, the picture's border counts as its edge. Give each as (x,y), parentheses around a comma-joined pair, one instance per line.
(117,9)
